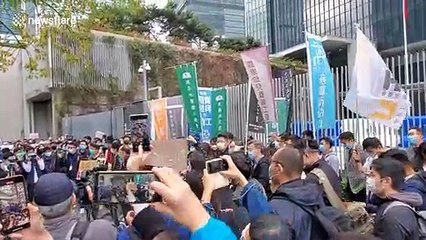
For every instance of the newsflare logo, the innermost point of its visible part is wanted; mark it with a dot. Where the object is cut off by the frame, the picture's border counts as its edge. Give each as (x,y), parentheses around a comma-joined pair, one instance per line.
(57,21)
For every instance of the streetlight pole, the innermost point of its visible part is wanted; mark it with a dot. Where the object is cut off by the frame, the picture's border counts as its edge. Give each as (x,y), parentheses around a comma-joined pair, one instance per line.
(145,81)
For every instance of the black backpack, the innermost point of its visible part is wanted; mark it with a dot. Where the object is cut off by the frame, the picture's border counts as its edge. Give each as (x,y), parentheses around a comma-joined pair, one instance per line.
(330,220)
(80,229)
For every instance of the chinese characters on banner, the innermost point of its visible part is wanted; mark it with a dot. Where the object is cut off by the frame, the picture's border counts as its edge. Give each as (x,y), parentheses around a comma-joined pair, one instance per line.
(256,63)
(256,123)
(174,115)
(188,85)
(158,108)
(204,96)
(323,99)
(219,111)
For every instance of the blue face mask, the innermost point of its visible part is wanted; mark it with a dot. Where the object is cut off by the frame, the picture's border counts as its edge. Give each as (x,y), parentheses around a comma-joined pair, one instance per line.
(412,140)
(348,146)
(48,154)
(83,147)
(322,148)
(251,156)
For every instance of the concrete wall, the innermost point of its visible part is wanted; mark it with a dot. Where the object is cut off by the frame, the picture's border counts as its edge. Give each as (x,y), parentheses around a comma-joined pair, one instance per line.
(12,101)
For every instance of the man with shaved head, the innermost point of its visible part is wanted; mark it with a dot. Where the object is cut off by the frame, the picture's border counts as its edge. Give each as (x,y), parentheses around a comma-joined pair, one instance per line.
(291,195)
(291,192)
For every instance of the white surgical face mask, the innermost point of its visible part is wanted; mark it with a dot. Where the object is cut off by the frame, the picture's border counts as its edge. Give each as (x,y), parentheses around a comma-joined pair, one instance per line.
(371,185)
(277,144)
(221,146)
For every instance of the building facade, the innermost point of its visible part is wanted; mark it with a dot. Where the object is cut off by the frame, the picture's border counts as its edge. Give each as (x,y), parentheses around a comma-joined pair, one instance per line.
(225,17)
(388,27)
(380,20)
(257,19)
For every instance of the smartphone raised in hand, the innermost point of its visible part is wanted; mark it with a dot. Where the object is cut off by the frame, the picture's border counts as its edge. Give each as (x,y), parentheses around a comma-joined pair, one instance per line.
(125,186)
(14,214)
(216,165)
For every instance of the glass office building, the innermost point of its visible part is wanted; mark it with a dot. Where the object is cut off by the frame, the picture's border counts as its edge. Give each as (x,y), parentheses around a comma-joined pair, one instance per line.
(338,17)
(286,24)
(388,26)
(226,17)
(289,19)
(257,20)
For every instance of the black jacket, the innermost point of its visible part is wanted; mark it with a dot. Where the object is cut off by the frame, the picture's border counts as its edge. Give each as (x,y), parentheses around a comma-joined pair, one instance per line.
(261,173)
(332,176)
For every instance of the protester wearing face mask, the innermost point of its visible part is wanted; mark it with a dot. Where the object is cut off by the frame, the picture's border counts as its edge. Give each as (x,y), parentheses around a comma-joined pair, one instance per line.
(47,158)
(33,167)
(326,149)
(395,220)
(353,176)
(415,138)
(83,150)
(94,151)
(313,161)
(225,143)
(261,163)
(213,145)
(73,160)
(413,181)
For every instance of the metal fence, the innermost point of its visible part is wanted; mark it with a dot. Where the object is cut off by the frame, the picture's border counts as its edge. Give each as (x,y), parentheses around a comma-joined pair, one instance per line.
(301,113)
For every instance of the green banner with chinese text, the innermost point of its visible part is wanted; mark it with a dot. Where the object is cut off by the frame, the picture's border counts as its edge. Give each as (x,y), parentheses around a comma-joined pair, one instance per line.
(219,111)
(188,85)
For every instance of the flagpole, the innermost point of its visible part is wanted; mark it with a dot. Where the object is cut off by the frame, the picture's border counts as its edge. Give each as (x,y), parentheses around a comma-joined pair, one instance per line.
(404,21)
(357,118)
(248,115)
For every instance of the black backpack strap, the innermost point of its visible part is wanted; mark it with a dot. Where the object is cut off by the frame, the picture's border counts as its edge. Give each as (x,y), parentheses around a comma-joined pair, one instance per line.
(80,230)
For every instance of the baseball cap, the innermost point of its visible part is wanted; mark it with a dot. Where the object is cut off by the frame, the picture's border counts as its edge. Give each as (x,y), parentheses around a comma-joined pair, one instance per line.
(52,189)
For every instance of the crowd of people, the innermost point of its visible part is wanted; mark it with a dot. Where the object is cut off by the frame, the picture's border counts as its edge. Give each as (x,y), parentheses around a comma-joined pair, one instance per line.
(294,187)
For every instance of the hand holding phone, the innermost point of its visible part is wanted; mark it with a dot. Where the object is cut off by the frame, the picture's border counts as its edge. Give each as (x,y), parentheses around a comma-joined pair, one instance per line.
(216,165)
(14,214)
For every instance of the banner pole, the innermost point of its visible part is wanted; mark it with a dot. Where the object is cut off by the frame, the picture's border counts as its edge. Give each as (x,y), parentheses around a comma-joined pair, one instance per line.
(248,116)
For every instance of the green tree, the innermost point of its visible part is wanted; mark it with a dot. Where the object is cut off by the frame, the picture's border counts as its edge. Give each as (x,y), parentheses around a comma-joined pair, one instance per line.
(237,45)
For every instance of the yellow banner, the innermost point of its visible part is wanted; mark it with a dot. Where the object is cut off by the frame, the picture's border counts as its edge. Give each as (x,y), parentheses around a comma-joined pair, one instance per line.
(158,108)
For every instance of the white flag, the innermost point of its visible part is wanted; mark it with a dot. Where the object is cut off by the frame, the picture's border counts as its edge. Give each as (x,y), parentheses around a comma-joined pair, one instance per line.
(373,92)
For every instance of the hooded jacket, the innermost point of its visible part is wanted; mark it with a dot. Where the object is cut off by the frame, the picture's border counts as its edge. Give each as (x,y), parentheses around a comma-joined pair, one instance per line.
(399,222)
(300,191)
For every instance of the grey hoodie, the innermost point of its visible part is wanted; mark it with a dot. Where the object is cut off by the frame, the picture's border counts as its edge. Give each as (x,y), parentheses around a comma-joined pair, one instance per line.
(62,227)
(332,160)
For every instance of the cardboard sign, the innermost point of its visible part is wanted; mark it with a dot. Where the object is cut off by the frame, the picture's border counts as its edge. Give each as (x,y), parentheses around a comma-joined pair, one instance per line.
(34,136)
(99,134)
(169,153)
(87,165)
